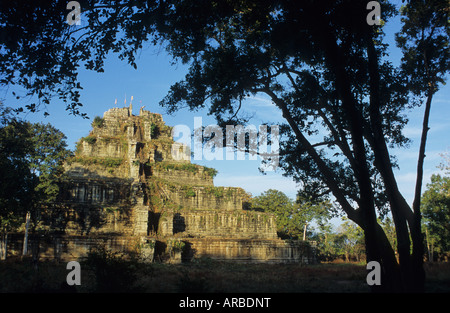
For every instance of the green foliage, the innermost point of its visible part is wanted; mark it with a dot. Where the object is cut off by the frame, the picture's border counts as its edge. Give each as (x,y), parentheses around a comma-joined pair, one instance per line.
(189,167)
(154,130)
(31,158)
(210,171)
(177,166)
(111,210)
(98,122)
(218,192)
(106,162)
(48,155)
(291,216)
(343,101)
(90,139)
(287,219)
(345,244)
(436,213)
(18,181)
(189,192)
(425,45)
(176,245)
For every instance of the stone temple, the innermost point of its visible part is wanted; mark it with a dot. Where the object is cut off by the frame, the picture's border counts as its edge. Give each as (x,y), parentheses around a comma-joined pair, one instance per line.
(130,188)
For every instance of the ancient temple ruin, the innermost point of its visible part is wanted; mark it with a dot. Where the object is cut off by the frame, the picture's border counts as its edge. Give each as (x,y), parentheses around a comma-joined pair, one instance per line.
(132,189)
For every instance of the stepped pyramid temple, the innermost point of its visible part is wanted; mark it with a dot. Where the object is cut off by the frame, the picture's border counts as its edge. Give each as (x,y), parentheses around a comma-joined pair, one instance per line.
(124,190)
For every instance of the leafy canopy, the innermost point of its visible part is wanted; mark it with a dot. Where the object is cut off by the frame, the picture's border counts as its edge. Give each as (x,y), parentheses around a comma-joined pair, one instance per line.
(31,157)
(436,211)
(291,216)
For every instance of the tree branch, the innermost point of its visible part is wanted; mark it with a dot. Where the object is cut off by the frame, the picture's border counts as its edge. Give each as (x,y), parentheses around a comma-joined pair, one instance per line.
(326,173)
(339,138)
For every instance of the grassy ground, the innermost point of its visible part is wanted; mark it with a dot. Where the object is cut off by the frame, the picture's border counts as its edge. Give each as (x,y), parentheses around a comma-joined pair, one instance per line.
(101,275)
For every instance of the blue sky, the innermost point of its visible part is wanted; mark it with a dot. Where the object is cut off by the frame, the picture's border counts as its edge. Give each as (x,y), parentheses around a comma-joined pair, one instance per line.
(152,80)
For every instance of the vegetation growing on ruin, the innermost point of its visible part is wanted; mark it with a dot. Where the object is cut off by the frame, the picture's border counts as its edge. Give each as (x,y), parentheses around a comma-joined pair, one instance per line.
(154,130)
(177,166)
(106,162)
(189,192)
(157,197)
(219,191)
(189,167)
(98,122)
(90,139)
(176,245)
(210,171)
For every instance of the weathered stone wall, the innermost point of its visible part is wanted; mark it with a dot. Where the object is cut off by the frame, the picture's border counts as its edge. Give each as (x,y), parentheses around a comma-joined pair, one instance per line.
(91,219)
(184,177)
(72,247)
(108,198)
(219,223)
(92,169)
(96,191)
(104,147)
(248,250)
(200,197)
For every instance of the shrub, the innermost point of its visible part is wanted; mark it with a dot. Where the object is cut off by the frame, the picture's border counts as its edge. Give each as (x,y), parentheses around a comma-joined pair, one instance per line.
(106,162)
(98,122)
(154,130)
(211,171)
(190,192)
(113,273)
(218,192)
(90,139)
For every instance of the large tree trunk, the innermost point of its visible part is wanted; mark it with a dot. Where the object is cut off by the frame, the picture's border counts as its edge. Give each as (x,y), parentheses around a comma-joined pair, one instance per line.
(391,279)
(411,267)
(416,229)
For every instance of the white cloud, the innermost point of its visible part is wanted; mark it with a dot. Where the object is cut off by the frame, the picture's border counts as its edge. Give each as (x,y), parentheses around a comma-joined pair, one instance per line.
(260,102)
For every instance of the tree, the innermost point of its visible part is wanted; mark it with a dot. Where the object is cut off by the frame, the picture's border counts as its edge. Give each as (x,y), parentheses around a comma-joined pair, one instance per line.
(312,210)
(324,236)
(46,160)
(424,40)
(342,101)
(17,183)
(31,158)
(389,228)
(291,217)
(36,55)
(353,240)
(347,241)
(276,202)
(436,212)
(323,71)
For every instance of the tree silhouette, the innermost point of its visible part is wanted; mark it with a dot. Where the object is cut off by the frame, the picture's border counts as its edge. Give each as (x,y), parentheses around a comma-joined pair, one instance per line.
(319,62)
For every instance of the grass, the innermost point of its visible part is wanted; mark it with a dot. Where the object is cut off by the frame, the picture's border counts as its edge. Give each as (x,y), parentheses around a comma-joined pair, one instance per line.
(202,275)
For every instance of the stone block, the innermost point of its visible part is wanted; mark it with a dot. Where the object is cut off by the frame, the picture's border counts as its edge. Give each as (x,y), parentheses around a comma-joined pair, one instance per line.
(124,185)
